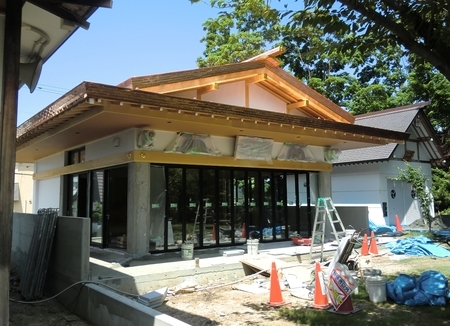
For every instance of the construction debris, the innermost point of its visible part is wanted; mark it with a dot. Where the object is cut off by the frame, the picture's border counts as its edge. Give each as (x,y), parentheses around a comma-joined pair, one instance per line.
(185,287)
(153,299)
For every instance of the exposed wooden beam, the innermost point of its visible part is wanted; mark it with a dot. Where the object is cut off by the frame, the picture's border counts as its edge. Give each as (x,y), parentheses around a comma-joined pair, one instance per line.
(297,105)
(8,121)
(255,80)
(421,139)
(161,157)
(207,89)
(268,54)
(322,110)
(202,82)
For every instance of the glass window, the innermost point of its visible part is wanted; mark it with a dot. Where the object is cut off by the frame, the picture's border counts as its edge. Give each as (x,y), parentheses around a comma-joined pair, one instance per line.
(225,207)
(174,206)
(209,207)
(76,156)
(97,208)
(193,207)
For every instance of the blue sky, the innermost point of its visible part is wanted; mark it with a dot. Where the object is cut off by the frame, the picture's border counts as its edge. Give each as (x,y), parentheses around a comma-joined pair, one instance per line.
(134,38)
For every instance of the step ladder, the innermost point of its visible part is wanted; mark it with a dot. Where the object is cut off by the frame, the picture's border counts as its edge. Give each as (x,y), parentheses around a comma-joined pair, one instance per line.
(326,214)
(206,215)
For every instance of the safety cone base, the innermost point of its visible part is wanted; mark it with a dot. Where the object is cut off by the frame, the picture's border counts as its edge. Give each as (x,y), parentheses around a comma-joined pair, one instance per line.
(277,304)
(346,308)
(354,311)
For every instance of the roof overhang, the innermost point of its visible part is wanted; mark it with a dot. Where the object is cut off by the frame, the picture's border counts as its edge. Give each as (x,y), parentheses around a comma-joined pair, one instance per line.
(92,111)
(47,24)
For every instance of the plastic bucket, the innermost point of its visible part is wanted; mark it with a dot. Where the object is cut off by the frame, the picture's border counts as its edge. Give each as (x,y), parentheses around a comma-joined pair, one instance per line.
(252,246)
(371,272)
(376,287)
(187,251)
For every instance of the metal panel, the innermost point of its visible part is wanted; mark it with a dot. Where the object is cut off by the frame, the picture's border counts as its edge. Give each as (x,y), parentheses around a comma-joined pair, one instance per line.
(32,284)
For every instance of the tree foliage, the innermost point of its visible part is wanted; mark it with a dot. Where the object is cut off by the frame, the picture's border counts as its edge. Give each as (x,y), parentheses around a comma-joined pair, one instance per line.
(441,190)
(238,34)
(421,27)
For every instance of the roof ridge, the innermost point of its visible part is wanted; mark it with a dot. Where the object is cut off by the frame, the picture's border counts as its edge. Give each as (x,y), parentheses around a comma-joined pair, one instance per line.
(392,110)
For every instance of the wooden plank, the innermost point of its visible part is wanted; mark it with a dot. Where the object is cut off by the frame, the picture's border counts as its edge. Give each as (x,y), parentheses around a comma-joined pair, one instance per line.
(8,122)
(263,264)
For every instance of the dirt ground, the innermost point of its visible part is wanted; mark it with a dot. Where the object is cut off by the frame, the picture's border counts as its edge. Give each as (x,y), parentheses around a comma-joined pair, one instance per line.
(224,305)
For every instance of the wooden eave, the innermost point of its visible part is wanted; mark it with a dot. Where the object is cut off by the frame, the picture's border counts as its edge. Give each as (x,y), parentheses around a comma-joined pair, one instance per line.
(262,73)
(91,105)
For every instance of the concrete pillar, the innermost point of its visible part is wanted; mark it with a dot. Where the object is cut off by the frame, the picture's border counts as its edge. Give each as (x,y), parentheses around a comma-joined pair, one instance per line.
(325,191)
(138,209)
(324,184)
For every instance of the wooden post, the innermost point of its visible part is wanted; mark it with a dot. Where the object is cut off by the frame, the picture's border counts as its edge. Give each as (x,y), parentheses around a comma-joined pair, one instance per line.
(8,122)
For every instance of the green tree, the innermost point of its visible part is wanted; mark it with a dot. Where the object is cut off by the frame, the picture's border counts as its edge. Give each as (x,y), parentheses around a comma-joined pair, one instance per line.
(242,29)
(421,27)
(441,190)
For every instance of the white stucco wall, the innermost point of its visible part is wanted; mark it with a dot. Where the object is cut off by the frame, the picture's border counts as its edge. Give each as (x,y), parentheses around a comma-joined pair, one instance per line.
(23,187)
(370,185)
(263,100)
(50,162)
(47,194)
(257,96)
(356,184)
(107,146)
(222,94)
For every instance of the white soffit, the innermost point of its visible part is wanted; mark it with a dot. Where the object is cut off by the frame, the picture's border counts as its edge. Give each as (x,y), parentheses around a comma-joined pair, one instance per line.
(42,33)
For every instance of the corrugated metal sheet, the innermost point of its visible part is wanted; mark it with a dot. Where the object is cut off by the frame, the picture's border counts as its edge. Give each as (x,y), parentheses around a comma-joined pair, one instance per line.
(32,283)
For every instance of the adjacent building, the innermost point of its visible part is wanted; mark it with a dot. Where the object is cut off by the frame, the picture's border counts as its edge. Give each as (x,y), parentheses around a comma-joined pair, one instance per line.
(363,177)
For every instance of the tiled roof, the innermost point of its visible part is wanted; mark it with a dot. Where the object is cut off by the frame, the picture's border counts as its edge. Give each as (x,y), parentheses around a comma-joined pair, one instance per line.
(396,119)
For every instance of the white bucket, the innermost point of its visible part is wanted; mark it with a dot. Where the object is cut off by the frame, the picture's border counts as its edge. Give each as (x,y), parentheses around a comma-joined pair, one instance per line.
(187,251)
(376,287)
(252,246)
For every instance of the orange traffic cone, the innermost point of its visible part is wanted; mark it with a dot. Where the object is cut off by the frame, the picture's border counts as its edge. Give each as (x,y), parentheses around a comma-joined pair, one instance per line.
(398,226)
(275,299)
(365,246)
(213,233)
(320,290)
(373,244)
(244,231)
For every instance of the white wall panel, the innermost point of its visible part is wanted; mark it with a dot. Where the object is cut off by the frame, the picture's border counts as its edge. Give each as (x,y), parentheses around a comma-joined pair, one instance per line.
(105,146)
(48,163)
(263,100)
(222,95)
(47,194)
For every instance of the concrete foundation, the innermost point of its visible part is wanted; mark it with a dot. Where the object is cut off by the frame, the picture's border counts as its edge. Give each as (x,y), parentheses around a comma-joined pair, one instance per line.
(91,282)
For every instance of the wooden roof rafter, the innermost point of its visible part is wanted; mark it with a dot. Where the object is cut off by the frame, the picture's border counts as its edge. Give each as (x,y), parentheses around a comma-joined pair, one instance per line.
(199,83)
(207,89)
(297,105)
